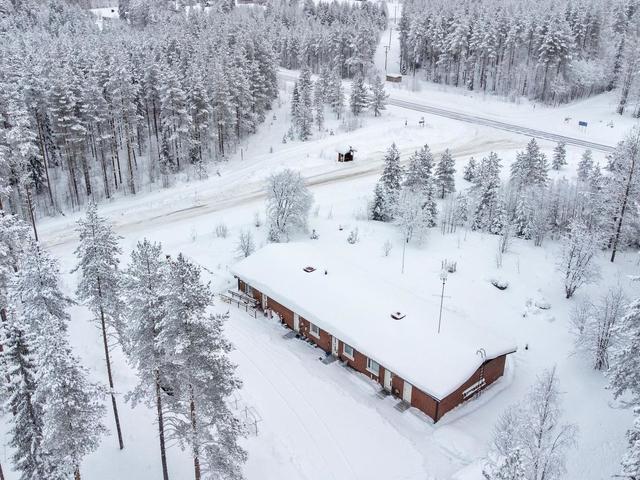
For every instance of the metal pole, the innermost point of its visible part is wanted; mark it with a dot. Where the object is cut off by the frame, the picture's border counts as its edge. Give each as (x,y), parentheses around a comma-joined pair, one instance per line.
(444,279)
(386,51)
(390,30)
(404,246)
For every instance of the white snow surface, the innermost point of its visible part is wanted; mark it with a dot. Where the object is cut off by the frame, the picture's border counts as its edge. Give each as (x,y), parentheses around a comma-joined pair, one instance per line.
(355,305)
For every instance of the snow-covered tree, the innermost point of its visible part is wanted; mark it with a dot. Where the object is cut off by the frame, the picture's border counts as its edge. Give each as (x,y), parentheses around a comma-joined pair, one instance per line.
(99,285)
(445,170)
(530,166)
(624,186)
(595,325)
(19,369)
(388,188)
(631,459)
(246,245)
(419,177)
(204,378)
(411,215)
(288,204)
(359,97)
(335,94)
(379,96)
(72,406)
(624,374)
(303,115)
(529,437)
(577,257)
(559,156)
(488,212)
(470,170)
(145,291)
(585,166)
(13,237)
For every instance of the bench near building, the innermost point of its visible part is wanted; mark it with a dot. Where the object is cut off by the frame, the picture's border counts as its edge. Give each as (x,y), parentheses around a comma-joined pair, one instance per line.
(377,327)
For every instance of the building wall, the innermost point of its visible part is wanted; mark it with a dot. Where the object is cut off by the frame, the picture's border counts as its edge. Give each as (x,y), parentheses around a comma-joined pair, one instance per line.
(493,369)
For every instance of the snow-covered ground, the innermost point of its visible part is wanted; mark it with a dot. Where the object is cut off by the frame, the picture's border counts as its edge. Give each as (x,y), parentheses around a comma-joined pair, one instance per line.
(322,421)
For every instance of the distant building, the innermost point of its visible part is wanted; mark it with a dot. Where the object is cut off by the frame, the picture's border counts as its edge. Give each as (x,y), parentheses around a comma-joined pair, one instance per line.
(346,155)
(393,77)
(375,327)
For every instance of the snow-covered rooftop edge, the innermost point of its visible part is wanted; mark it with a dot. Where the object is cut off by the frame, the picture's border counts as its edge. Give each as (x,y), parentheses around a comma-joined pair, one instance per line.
(355,306)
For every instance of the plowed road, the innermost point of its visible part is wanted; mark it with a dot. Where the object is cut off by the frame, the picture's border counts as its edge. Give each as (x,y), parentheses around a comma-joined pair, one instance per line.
(484,121)
(509,127)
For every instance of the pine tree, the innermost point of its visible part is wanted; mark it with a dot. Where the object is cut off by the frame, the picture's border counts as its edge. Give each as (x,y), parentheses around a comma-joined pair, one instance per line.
(420,169)
(624,185)
(445,174)
(530,167)
(585,166)
(19,368)
(631,459)
(359,98)
(99,286)
(204,376)
(318,104)
(144,285)
(559,156)
(36,287)
(379,97)
(13,237)
(624,374)
(73,409)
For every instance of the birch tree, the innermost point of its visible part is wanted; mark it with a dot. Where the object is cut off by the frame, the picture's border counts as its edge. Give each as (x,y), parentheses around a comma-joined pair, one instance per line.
(288,204)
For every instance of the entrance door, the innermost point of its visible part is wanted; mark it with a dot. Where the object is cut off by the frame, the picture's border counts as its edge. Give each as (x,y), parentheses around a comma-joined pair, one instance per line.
(265,300)
(387,380)
(296,322)
(406,392)
(334,346)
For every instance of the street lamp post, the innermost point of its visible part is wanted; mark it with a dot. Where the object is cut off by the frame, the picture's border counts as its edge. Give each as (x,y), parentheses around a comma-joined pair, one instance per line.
(443,277)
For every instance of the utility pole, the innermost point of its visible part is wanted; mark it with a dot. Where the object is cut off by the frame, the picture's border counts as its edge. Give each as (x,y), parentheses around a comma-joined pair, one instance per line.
(404,247)
(386,51)
(443,277)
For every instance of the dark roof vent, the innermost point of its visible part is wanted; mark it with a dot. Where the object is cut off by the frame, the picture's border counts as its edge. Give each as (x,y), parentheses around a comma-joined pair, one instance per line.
(398,315)
(309,269)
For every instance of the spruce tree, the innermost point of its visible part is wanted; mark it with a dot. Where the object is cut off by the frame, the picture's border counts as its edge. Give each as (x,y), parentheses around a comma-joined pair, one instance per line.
(388,189)
(585,166)
(530,167)
(99,286)
(445,171)
(359,98)
(379,97)
(336,93)
(488,214)
(470,170)
(559,156)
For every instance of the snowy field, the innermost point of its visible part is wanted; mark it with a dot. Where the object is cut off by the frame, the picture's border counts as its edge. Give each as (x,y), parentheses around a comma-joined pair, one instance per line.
(321,421)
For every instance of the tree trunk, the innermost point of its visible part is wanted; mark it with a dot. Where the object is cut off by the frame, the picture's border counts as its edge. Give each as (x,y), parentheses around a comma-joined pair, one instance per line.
(625,200)
(108,360)
(196,459)
(76,473)
(163,453)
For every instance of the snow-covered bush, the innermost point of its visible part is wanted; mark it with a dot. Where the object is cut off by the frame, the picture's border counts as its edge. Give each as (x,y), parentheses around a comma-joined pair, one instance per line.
(246,245)
(579,248)
(221,230)
(353,237)
(499,283)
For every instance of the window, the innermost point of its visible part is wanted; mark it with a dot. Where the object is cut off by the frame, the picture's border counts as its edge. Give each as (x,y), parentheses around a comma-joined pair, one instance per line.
(373,367)
(314,330)
(348,351)
(248,290)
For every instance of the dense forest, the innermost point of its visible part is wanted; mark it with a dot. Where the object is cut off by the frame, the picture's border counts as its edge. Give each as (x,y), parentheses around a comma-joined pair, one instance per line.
(549,50)
(90,111)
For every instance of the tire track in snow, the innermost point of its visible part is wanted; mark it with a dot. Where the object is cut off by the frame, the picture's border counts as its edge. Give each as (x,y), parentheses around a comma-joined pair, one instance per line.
(281,374)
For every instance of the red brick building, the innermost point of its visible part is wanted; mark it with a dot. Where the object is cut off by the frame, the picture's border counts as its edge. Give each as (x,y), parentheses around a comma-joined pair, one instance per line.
(375,327)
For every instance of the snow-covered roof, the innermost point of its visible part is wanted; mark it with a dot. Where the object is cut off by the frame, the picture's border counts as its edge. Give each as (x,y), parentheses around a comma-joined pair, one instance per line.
(348,303)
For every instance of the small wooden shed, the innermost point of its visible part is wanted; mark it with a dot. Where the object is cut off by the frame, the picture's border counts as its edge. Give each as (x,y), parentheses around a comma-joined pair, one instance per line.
(347,156)
(394,77)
